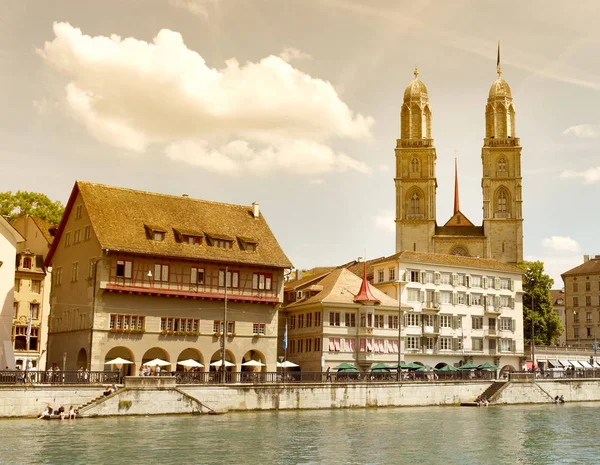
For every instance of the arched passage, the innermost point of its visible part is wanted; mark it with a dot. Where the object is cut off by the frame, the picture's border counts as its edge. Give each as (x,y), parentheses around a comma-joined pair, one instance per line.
(191,354)
(82,359)
(216,357)
(441,365)
(257,356)
(123,352)
(505,370)
(157,352)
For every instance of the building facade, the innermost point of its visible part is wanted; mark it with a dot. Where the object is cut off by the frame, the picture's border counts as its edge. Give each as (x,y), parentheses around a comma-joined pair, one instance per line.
(501,235)
(32,293)
(460,309)
(330,321)
(140,276)
(558,305)
(9,241)
(582,303)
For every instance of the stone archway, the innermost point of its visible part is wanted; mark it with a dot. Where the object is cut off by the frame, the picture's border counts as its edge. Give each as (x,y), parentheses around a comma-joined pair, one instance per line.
(191,354)
(505,370)
(216,357)
(157,352)
(125,353)
(82,359)
(257,356)
(440,365)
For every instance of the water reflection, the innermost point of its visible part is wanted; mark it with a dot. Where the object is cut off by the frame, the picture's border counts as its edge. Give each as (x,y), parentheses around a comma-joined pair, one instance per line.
(545,434)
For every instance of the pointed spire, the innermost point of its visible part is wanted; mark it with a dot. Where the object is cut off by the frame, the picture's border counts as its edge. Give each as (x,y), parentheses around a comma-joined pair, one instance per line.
(365,296)
(498,69)
(416,72)
(456,202)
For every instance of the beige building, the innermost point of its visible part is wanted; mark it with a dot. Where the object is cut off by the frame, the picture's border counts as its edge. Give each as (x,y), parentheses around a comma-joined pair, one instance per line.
(334,317)
(459,308)
(558,305)
(9,242)
(582,302)
(501,235)
(140,276)
(32,292)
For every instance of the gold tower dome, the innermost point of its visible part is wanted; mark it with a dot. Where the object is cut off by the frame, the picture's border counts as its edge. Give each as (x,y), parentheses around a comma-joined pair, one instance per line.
(415,89)
(500,88)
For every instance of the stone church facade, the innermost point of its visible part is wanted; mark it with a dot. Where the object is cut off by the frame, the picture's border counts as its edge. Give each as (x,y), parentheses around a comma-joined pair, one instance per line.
(501,235)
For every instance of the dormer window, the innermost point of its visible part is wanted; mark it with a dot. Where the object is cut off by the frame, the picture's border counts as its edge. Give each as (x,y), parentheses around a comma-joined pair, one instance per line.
(222,243)
(155,233)
(158,236)
(192,240)
(247,244)
(27,262)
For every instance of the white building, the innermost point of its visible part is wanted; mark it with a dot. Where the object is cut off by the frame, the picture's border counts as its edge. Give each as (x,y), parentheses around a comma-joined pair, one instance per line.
(463,309)
(9,238)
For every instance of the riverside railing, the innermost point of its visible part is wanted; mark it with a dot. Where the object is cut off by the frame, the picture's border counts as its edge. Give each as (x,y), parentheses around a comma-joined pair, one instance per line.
(58,377)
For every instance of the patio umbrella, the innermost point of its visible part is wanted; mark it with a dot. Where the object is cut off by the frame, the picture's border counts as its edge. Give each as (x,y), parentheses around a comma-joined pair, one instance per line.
(446,368)
(381,367)
(219,363)
(467,366)
(190,363)
(157,362)
(118,361)
(345,367)
(287,364)
(253,363)
(487,366)
(424,368)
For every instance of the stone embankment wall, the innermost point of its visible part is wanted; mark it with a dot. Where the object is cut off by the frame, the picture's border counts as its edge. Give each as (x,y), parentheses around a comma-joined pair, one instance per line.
(167,398)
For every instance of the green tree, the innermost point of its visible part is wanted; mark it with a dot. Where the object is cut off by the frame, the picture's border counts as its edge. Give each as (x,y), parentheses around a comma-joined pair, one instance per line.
(536,288)
(30,203)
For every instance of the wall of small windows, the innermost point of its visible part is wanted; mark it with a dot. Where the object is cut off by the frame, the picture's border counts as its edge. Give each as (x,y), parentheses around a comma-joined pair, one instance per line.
(132,323)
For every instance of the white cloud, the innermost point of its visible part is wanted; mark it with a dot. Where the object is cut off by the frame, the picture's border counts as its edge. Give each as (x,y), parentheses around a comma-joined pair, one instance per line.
(198,8)
(555,265)
(40,106)
(383,168)
(261,116)
(385,219)
(590,176)
(584,131)
(290,53)
(561,244)
(316,182)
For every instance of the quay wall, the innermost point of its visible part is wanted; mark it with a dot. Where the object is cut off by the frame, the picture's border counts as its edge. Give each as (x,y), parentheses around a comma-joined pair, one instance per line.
(168,398)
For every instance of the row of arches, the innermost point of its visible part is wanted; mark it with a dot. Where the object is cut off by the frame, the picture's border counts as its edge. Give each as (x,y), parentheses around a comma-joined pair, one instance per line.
(190,353)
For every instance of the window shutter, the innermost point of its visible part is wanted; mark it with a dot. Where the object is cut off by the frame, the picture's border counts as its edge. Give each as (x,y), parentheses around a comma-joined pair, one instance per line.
(455,343)
(496,283)
(454,279)
(513,325)
(454,298)
(436,299)
(422,295)
(405,319)
(436,277)
(468,299)
(512,284)
(484,282)
(423,277)
(497,302)
(513,345)
(511,302)
(468,281)
(400,275)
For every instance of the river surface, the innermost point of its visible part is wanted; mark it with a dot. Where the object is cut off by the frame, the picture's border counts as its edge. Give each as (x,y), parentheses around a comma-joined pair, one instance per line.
(547,434)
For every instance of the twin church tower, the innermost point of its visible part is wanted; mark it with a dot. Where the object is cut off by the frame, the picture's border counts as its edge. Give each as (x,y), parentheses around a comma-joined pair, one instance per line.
(501,236)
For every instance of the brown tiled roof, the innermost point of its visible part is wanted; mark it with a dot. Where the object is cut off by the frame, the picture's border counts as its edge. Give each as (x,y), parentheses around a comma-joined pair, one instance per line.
(296,283)
(45,228)
(118,217)
(341,287)
(592,266)
(454,260)
(556,294)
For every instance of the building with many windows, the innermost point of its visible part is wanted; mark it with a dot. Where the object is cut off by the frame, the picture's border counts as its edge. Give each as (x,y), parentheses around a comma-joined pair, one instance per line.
(140,276)
(335,316)
(459,308)
(582,303)
(32,292)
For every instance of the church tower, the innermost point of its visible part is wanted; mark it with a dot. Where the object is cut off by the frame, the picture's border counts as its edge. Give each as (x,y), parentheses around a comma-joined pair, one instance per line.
(501,182)
(415,180)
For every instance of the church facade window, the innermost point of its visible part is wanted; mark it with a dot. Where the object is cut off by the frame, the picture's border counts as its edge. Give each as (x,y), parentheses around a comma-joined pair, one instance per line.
(415,206)
(502,206)
(414,165)
(502,164)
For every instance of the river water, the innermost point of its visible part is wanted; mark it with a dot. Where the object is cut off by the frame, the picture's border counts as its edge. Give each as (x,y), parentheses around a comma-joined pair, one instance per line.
(548,434)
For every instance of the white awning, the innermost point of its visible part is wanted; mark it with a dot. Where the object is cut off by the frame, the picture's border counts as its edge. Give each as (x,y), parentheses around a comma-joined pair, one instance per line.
(586,364)
(596,364)
(565,363)
(554,363)
(541,361)
(576,364)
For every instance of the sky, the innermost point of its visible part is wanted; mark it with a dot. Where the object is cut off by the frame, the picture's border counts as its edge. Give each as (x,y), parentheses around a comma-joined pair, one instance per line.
(295,104)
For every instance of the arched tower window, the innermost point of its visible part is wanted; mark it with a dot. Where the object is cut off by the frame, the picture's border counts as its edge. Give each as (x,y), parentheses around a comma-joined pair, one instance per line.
(500,117)
(502,164)
(414,165)
(511,121)
(427,123)
(460,251)
(405,122)
(489,121)
(416,129)
(415,204)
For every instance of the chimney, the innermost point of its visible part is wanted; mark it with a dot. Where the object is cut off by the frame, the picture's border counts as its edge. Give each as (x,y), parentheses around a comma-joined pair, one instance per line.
(586,258)
(255,210)
(185,195)
(298,273)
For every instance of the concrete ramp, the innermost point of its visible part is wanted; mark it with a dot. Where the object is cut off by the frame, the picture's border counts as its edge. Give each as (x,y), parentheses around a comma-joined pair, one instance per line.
(523,393)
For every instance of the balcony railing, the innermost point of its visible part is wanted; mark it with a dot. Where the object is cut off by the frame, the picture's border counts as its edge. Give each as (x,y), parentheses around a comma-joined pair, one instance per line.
(59,377)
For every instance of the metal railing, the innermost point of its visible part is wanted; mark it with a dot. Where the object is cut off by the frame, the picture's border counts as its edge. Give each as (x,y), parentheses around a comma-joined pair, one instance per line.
(58,377)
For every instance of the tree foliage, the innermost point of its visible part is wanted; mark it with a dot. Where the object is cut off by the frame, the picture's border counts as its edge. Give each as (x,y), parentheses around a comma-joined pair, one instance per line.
(536,288)
(30,203)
